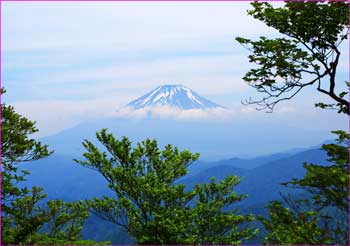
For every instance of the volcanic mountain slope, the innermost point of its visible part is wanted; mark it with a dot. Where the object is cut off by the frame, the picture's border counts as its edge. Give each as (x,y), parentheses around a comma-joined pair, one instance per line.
(176,96)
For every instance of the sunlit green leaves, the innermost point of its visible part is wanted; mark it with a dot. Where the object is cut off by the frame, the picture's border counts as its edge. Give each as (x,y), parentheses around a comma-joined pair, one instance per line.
(152,206)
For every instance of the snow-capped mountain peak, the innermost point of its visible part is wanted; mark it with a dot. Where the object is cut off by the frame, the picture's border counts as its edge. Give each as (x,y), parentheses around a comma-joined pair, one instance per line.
(177,96)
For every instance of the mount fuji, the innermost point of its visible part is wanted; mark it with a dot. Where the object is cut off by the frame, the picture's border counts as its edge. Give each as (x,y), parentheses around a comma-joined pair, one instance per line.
(175,96)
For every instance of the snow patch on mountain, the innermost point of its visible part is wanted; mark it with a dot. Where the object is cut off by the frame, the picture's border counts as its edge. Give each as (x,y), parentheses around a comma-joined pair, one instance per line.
(176,96)
(176,102)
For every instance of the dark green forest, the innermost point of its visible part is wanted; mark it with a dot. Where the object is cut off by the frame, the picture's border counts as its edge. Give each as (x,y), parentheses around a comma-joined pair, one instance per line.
(149,203)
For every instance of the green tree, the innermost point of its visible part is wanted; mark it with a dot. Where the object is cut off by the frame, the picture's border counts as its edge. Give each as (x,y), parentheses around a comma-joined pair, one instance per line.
(26,219)
(323,218)
(208,221)
(151,203)
(307,55)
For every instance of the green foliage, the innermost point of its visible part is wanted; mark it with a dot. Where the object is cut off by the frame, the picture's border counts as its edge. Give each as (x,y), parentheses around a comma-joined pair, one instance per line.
(25,217)
(29,223)
(209,222)
(324,218)
(152,206)
(329,184)
(17,147)
(286,226)
(307,55)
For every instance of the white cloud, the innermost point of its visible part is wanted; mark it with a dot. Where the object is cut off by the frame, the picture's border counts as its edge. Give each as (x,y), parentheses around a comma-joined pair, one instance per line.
(53,116)
(121,25)
(177,68)
(166,112)
(212,75)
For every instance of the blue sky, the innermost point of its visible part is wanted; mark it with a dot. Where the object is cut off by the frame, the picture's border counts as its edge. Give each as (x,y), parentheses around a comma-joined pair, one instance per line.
(66,63)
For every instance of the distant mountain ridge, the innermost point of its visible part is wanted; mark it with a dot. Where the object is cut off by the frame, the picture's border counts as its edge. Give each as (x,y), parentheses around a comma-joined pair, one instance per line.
(176,96)
(262,183)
